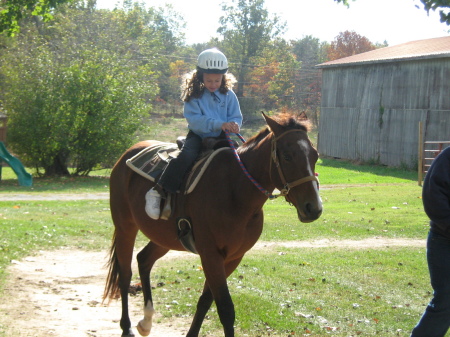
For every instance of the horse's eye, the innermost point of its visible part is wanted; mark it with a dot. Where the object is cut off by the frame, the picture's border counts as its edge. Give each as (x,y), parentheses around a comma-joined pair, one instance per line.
(287,157)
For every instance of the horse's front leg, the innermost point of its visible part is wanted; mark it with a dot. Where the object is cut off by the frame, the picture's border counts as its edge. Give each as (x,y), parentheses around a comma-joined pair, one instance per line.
(203,305)
(216,288)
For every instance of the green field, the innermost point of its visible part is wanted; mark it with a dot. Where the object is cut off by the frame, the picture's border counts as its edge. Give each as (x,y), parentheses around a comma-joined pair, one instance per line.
(279,290)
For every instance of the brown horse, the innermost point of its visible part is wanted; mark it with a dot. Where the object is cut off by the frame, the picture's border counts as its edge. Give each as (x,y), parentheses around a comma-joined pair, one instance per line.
(226,212)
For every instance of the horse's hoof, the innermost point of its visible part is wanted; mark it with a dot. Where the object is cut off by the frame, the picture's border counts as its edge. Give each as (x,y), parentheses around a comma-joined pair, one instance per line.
(142,331)
(129,334)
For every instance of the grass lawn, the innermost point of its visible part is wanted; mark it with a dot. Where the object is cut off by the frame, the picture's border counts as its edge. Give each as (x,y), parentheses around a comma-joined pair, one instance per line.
(277,291)
(309,292)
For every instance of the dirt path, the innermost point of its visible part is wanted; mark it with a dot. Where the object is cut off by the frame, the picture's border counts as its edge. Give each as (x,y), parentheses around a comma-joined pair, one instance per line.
(58,293)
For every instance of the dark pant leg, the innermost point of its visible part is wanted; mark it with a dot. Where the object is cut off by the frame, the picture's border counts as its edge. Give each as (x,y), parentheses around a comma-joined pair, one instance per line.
(436,318)
(173,175)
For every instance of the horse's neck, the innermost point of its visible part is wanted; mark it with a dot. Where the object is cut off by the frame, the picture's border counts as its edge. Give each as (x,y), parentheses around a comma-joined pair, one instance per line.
(257,162)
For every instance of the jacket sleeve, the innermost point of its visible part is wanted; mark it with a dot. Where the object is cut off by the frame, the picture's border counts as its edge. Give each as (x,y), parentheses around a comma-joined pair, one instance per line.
(234,113)
(436,192)
(199,122)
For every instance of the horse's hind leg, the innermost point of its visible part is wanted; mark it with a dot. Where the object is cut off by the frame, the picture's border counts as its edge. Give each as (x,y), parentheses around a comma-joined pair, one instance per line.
(146,259)
(125,257)
(119,276)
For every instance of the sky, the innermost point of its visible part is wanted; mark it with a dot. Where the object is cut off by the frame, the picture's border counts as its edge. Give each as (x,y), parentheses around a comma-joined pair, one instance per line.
(394,21)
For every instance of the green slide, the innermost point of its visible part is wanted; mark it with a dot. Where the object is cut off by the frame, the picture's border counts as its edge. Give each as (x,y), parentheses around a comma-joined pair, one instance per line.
(25,179)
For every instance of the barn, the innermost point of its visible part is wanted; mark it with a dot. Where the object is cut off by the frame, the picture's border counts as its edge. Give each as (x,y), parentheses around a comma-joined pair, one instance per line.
(372,102)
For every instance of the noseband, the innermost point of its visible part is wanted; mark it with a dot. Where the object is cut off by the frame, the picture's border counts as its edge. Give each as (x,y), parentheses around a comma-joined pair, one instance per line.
(286,186)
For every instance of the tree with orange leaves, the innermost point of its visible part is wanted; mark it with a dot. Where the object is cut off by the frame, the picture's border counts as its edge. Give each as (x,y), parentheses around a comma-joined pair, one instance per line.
(347,44)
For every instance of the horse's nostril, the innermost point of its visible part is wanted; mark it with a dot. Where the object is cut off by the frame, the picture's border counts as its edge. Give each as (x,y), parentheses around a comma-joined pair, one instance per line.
(312,211)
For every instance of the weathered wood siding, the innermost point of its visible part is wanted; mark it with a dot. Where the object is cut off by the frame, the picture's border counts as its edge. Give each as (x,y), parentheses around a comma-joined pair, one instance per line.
(371,112)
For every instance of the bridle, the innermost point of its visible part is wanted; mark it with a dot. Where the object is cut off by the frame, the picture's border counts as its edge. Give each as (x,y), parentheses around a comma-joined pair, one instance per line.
(286,186)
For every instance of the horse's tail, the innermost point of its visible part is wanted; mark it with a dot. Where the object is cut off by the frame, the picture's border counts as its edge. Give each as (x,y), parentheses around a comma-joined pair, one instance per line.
(112,290)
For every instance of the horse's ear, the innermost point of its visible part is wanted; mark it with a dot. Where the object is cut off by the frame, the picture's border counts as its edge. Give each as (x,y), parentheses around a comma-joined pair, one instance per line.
(273,125)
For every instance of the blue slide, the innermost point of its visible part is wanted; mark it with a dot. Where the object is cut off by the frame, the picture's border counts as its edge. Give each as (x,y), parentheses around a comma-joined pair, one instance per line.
(25,179)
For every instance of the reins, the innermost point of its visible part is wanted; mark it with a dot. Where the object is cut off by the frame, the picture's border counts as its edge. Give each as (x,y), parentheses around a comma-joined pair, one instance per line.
(241,164)
(286,186)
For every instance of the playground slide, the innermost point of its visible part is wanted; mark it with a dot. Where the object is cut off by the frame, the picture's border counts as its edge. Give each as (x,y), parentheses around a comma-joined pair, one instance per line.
(25,179)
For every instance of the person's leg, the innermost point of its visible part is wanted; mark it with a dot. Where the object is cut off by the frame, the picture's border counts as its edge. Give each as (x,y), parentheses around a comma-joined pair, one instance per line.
(172,177)
(436,319)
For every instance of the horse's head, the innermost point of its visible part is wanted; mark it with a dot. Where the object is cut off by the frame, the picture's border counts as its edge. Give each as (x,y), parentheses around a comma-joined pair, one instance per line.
(293,161)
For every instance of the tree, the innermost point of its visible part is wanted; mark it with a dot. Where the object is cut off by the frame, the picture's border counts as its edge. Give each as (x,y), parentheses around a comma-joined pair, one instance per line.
(167,27)
(12,11)
(347,44)
(76,91)
(310,52)
(247,29)
(79,114)
(273,79)
(442,6)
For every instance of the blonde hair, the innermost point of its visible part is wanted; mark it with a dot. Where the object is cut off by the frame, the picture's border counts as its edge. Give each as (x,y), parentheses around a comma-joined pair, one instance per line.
(192,85)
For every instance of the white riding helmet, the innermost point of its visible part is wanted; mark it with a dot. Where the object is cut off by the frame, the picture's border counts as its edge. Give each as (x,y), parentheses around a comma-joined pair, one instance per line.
(212,61)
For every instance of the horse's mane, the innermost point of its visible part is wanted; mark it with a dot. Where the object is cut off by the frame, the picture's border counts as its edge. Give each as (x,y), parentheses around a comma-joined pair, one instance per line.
(287,120)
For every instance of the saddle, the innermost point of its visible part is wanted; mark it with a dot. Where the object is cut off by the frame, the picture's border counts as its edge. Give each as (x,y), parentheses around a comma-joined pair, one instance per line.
(151,162)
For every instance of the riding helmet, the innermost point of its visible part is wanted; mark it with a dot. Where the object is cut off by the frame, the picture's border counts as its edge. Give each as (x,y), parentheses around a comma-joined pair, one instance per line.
(212,61)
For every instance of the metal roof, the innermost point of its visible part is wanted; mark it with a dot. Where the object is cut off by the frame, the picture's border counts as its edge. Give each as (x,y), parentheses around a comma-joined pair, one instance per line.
(422,49)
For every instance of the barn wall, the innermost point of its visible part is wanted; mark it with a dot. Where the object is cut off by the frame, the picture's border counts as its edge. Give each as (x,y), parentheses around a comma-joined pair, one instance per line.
(372,112)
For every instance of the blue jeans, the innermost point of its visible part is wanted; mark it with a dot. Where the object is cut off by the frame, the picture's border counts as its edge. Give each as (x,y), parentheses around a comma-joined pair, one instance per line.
(172,177)
(436,318)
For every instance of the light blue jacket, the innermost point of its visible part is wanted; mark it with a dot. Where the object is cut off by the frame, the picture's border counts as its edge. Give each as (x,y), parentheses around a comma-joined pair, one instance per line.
(205,115)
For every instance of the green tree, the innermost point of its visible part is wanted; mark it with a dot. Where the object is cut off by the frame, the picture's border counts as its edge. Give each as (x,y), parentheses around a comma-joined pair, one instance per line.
(79,114)
(442,6)
(273,80)
(12,11)
(310,52)
(166,27)
(76,90)
(247,28)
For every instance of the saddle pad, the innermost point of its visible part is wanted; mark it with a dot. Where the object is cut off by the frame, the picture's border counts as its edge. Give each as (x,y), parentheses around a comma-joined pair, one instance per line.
(151,161)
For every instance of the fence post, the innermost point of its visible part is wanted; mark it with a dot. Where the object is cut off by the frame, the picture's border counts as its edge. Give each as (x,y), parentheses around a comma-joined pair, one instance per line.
(420,156)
